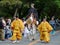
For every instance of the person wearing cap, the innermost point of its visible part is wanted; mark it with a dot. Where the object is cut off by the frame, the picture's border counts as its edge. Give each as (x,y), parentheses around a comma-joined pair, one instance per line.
(17,27)
(44,29)
(32,10)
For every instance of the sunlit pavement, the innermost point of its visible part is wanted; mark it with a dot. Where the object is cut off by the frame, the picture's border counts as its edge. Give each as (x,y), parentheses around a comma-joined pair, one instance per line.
(55,40)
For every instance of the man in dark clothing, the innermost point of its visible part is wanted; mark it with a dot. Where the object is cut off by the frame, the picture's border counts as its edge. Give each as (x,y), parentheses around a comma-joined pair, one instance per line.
(32,10)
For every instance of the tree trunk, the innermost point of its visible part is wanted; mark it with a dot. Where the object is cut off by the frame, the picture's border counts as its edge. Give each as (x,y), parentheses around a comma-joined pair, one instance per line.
(16,12)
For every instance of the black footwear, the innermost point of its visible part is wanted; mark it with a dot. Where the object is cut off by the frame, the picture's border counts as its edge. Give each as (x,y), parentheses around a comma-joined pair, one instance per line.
(33,39)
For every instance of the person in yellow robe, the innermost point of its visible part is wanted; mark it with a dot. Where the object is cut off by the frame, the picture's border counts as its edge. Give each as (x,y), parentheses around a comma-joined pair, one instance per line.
(17,27)
(44,29)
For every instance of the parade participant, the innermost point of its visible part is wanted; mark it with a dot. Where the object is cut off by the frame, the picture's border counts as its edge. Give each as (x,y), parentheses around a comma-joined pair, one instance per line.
(44,29)
(53,24)
(32,23)
(33,30)
(33,10)
(17,28)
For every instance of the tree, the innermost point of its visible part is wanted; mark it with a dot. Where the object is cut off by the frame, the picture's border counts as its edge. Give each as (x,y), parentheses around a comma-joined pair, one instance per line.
(11,5)
(44,7)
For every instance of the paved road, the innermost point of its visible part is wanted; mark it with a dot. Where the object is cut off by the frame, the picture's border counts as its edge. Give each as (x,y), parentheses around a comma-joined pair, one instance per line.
(55,40)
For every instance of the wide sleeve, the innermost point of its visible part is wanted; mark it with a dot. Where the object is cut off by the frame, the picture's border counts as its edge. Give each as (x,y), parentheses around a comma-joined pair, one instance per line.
(39,28)
(21,25)
(12,25)
(49,27)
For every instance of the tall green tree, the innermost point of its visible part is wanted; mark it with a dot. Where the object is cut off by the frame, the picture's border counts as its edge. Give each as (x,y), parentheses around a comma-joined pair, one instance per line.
(11,5)
(44,7)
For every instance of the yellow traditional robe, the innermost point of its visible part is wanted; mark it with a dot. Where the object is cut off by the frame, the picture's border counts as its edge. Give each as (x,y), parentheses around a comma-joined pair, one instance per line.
(17,28)
(45,28)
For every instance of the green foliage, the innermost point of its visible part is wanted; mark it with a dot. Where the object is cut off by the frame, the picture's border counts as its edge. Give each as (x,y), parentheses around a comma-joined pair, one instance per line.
(8,7)
(44,7)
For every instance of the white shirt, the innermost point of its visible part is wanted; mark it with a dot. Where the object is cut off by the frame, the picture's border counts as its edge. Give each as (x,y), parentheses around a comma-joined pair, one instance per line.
(4,23)
(31,18)
(26,30)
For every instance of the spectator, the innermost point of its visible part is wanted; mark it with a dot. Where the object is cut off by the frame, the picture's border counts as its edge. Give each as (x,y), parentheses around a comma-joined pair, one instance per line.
(9,21)
(4,25)
(53,24)
(2,31)
(8,32)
